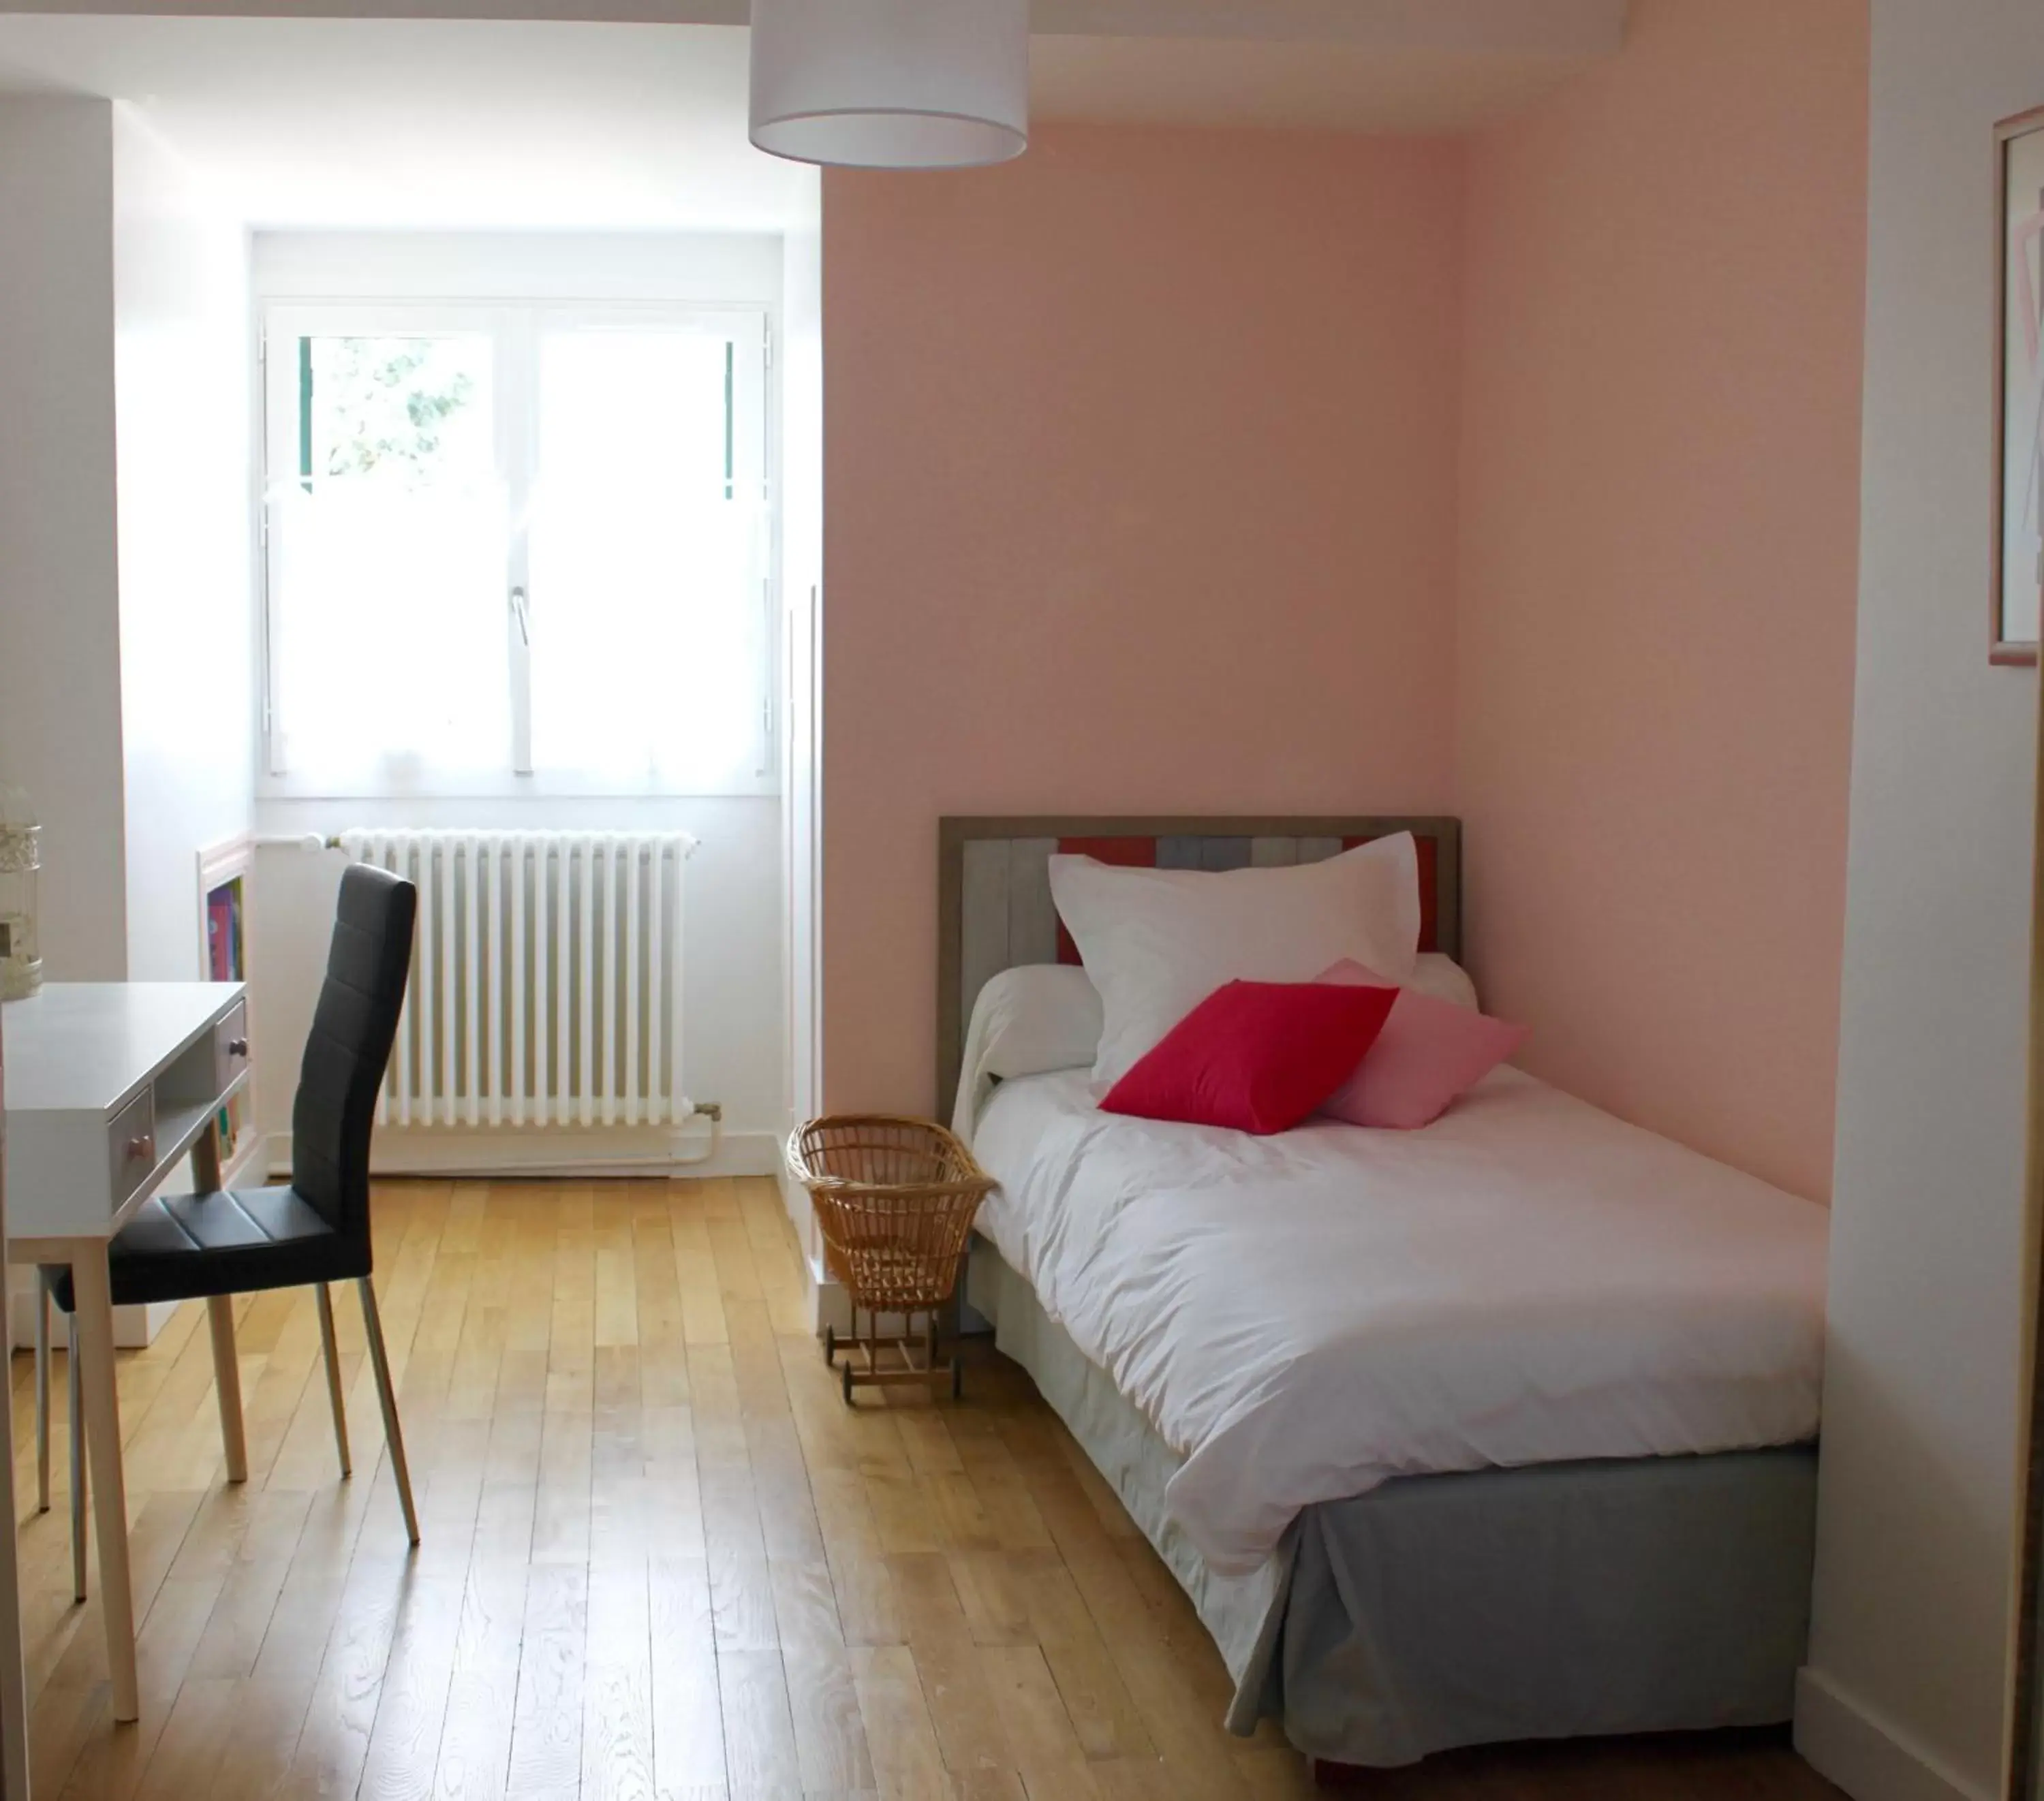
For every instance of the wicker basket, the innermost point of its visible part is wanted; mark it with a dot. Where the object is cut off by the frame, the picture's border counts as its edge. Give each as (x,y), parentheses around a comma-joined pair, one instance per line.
(894,1199)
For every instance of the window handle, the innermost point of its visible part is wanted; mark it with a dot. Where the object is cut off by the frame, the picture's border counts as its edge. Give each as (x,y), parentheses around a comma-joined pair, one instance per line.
(522,615)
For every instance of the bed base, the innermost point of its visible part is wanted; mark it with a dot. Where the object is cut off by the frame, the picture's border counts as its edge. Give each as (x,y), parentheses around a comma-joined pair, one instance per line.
(1572,1600)
(1688,1749)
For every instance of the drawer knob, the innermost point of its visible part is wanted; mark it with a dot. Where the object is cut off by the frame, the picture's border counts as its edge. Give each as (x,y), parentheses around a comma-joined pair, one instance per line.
(237,1047)
(141,1150)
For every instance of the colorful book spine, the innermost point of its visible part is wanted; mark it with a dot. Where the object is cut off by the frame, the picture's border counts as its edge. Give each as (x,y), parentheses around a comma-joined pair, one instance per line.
(220,935)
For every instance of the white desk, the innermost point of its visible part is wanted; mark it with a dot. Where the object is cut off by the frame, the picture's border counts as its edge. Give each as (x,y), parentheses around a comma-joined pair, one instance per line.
(109,1085)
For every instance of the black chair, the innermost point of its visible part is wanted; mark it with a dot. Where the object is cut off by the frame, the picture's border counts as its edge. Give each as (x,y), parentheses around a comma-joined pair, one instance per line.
(312,1234)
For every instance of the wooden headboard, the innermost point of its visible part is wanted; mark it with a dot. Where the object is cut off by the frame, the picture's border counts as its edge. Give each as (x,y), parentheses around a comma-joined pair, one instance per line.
(994,889)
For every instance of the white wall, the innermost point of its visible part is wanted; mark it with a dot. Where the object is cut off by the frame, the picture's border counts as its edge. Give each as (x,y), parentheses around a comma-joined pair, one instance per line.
(1902,1695)
(125,628)
(734,1010)
(181,369)
(801,530)
(60,721)
(125,702)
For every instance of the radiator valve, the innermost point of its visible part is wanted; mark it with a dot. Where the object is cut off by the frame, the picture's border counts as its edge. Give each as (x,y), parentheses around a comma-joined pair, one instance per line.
(712,1110)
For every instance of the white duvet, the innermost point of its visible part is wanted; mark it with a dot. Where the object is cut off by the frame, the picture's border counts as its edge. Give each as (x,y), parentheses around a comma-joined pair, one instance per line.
(1302,1317)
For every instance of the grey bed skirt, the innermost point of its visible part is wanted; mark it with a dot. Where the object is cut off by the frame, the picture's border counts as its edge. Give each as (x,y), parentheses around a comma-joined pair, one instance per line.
(1564,1600)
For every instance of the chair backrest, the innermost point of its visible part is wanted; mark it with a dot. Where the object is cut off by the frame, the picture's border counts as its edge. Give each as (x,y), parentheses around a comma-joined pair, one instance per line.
(349,1045)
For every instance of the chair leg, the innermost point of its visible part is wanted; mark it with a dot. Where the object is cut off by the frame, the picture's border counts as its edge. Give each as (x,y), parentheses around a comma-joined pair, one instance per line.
(42,1394)
(77,1388)
(227,1385)
(392,1435)
(333,1393)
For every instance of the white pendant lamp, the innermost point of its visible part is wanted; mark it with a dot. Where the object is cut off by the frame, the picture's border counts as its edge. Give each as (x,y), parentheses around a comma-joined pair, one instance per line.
(891,84)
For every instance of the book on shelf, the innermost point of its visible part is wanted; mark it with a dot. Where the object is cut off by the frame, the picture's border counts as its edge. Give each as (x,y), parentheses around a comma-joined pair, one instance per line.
(220,935)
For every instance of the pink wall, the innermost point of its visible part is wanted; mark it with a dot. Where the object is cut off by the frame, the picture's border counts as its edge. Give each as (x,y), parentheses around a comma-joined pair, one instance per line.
(1659,509)
(1213,471)
(1140,469)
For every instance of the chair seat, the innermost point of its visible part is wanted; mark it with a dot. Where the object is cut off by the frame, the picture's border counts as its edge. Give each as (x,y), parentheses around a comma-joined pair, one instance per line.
(189,1246)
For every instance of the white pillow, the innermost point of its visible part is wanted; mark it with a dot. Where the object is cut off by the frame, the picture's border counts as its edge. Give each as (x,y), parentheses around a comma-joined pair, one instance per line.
(1444,979)
(1035,1018)
(1027,1021)
(1156,942)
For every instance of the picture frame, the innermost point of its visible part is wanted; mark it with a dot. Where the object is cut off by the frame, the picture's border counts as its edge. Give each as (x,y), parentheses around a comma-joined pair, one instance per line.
(2016,597)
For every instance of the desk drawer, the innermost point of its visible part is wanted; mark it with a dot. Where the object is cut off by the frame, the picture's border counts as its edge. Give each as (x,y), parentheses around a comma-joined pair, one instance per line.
(230,1046)
(131,1146)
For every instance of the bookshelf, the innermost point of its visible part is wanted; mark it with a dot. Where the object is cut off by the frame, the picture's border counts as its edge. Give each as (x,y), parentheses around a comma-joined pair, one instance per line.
(225,872)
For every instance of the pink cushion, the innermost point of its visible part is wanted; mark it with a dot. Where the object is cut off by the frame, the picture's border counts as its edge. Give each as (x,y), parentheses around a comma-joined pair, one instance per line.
(1429,1052)
(1257,1056)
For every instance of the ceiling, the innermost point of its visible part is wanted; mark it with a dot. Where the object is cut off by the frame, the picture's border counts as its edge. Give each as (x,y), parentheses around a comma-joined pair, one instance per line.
(532,123)
(414,123)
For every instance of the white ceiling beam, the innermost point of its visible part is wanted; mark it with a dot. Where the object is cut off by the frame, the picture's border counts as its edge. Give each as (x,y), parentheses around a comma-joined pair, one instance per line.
(1570,30)
(1567,29)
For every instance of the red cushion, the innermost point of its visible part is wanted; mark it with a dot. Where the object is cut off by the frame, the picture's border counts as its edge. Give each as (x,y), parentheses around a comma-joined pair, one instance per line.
(1257,1056)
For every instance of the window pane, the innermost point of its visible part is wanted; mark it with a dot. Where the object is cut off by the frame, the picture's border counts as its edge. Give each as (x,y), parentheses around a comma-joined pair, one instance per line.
(645,555)
(391,653)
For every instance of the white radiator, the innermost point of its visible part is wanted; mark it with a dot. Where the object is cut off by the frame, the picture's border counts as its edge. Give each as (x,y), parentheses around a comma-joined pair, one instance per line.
(546,977)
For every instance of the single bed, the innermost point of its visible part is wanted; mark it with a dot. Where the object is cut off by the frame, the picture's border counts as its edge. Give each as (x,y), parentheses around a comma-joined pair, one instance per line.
(1431,1476)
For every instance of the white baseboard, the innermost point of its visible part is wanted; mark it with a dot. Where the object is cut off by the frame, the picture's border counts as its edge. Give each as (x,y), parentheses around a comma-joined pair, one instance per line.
(1844,1740)
(801,1214)
(829,1305)
(649,1153)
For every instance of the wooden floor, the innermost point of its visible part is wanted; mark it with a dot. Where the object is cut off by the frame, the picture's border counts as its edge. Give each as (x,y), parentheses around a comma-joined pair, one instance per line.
(661,1557)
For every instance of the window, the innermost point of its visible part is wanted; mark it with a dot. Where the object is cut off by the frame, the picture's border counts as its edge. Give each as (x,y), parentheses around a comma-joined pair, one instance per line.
(513,548)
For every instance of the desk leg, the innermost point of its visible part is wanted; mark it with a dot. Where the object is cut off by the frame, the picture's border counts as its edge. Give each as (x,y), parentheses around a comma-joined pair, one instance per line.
(109,1490)
(220,1316)
(13,1672)
(227,1382)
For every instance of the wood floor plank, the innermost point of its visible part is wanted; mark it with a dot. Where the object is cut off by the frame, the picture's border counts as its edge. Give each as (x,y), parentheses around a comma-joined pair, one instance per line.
(112,1765)
(64,1717)
(547,1724)
(334,1741)
(788,1522)
(948,1664)
(993,1590)
(562,1499)
(193,1741)
(662,1558)
(412,1708)
(241,1619)
(262,1737)
(758,1732)
(1048,1756)
(908,1765)
(741,1595)
(508,1504)
(474,1759)
(830,1742)
(696,1271)
(658,1301)
(1105,1719)
(618,1699)
(688,1715)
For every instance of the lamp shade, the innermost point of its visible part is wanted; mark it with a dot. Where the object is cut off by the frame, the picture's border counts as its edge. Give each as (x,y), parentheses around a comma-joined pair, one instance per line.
(891,84)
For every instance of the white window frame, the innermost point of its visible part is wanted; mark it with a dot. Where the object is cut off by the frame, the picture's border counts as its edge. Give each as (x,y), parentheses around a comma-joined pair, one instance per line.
(514,326)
